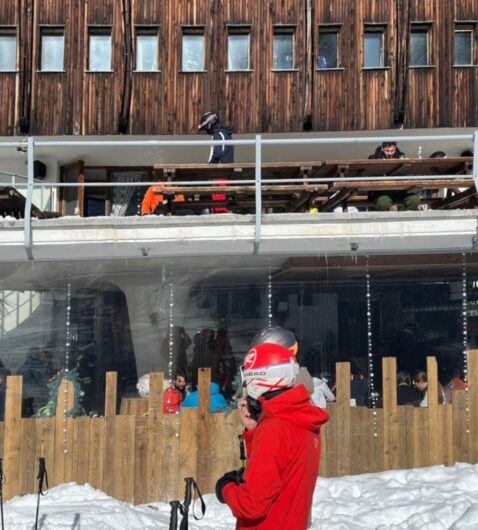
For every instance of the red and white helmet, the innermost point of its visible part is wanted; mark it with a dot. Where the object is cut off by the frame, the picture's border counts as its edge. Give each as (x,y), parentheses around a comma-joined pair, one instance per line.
(268,367)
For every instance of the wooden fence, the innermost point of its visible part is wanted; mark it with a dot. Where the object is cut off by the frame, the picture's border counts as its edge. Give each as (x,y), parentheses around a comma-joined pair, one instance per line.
(145,458)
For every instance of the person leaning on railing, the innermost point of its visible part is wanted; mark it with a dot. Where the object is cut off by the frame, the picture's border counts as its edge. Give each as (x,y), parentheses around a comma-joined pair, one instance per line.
(397,199)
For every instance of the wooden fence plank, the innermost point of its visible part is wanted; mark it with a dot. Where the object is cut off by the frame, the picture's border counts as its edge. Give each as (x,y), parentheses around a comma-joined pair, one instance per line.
(81,453)
(420,437)
(11,455)
(141,461)
(27,456)
(171,486)
(45,443)
(390,413)
(63,432)
(204,440)
(154,426)
(461,439)
(97,452)
(123,457)
(109,444)
(435,452)
(330,455)
(188,448)
(343,418)
(446,429)
(473,403)
(375,427)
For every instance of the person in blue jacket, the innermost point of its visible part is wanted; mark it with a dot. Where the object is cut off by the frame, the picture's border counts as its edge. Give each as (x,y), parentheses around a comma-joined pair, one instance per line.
(218,402)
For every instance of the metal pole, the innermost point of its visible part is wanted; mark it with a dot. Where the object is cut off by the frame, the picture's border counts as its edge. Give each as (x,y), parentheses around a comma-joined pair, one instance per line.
(475,159)
(28,203)
(257,236)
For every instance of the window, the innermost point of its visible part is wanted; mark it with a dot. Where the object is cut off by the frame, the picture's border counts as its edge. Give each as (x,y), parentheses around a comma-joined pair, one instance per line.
(52,50)
(8,50)
(328,47)
(283,49)
(99,57)
(146,50)
(193,51)
(463,45)
(419,46)
(238,50)
(373,53)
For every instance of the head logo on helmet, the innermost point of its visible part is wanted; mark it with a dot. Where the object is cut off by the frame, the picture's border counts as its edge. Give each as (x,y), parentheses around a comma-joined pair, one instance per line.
(208,122)
(268,367)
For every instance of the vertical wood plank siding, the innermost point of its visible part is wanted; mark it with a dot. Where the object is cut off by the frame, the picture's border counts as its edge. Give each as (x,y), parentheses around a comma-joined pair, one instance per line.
(170,101)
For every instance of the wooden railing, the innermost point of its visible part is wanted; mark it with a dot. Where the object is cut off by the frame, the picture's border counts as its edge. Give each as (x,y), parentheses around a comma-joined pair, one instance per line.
(145,458)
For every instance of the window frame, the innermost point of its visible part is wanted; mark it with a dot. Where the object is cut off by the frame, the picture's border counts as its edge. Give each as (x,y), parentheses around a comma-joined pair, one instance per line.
(284,29)
(335,29)
(188,31)
(142,31)
(422,27)
(101,31)
(378,28)
(241,30)
(10,31)
(464,27)
(51,31)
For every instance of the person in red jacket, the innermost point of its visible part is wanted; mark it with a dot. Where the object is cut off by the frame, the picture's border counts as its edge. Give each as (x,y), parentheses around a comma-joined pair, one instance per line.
(283,445)
(174,395)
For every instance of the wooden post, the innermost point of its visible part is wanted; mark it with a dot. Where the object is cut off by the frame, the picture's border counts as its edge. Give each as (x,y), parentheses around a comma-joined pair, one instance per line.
(473,404)
(390,413)
(155,437)
(11,455)
(343,418)
(110,418)
(63,432)
(204,457)
(434,449)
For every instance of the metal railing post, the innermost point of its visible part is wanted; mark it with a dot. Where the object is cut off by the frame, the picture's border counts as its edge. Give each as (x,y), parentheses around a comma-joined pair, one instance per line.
(475,159)
(27,217)
(257,235)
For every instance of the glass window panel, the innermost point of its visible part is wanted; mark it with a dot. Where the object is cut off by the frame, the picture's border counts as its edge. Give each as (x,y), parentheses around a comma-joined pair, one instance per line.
(283,51)
(373,49)
(238,52)
(419,48)
(463,47)
(193,53)
(8,53)
(147,53)
(328,50)
(100,53)
(52,49)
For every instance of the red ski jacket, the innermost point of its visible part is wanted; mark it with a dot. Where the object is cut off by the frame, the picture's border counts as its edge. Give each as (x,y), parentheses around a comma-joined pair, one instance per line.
(172,400)
(282,465)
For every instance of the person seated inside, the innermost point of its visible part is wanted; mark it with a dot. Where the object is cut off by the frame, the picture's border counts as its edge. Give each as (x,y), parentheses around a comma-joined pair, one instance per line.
(397,199)
(175,395)
(218,402)
(406,393)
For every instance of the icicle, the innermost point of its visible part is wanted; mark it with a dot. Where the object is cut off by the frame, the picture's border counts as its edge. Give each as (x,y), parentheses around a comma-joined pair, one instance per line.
(464,313)
(371,374)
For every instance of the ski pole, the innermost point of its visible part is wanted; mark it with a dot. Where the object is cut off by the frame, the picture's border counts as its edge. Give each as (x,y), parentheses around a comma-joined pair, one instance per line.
(190,483)
(2,480)
(42,476)
(242,450)
(173,522)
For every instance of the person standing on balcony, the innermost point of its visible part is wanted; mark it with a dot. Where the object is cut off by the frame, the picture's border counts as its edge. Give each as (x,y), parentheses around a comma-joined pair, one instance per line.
(282,441)
(220,154)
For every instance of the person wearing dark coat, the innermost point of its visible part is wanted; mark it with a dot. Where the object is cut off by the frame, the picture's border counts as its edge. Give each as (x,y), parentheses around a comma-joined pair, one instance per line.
(406,393)
(220,154)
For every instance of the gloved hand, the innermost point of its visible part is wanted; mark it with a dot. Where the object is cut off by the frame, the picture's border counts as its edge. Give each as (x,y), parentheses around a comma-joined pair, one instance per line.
(227,478)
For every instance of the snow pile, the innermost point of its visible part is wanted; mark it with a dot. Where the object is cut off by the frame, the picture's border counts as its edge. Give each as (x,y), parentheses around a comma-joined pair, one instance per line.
(433,498)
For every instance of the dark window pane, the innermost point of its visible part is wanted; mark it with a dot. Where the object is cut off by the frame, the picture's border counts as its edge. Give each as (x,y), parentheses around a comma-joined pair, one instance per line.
(418,48)
(373,49)
(463,47)
(327,50)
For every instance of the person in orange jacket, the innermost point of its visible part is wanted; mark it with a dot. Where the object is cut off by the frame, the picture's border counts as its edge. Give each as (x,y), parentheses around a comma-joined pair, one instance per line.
(152,199)
(174,395)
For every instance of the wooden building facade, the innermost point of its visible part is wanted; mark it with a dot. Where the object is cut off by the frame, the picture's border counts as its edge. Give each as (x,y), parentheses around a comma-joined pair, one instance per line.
(438,91)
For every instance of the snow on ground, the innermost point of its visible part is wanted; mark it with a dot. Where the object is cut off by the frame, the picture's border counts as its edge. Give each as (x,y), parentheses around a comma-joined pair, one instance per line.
(433,498)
